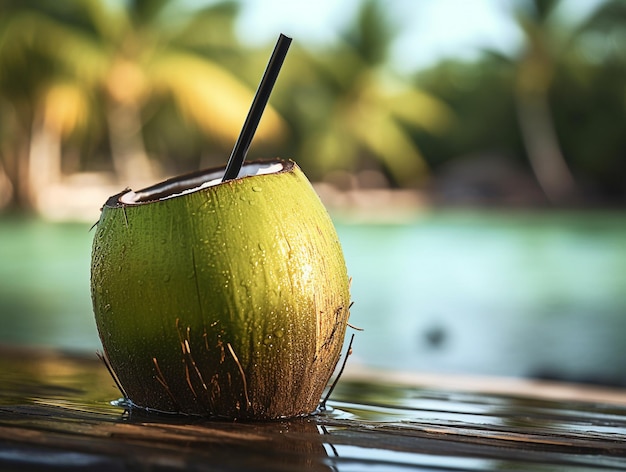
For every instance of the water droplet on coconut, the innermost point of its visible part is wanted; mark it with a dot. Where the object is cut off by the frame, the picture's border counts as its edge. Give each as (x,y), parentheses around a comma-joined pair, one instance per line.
(166,278)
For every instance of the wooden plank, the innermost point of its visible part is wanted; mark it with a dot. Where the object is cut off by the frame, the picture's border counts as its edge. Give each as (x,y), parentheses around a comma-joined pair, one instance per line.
(55,415)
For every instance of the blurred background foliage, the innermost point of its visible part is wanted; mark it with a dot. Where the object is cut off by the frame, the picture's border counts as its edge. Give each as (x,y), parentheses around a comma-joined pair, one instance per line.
(98,93)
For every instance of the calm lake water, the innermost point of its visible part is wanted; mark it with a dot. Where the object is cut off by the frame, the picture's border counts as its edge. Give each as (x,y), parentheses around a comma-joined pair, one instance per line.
(496,293)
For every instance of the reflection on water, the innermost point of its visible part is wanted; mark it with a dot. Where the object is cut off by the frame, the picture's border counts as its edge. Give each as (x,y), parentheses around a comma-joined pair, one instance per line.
(55,414)
(537,294)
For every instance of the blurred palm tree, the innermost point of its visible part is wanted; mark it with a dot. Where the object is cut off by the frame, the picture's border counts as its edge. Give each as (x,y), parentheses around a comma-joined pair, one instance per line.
(563,89)
(535,74)
(350,106)
(549,42)
(85,59)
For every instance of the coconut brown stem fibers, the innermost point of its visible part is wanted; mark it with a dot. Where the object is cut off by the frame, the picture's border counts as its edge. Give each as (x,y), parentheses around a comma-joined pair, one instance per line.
(339,374)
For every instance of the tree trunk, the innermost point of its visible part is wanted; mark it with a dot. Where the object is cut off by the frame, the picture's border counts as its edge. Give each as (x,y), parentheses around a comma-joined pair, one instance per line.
(542,147)
(15,166)
(128,153)
(44,160)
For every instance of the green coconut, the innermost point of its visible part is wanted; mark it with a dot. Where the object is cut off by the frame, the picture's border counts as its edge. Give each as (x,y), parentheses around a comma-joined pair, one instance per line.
(226,299)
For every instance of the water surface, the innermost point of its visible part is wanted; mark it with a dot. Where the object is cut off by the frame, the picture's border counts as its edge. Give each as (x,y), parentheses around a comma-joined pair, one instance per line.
(55,414)
(523,294)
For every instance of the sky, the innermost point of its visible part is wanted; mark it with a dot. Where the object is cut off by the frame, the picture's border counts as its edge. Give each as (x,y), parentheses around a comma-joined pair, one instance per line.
(428,30)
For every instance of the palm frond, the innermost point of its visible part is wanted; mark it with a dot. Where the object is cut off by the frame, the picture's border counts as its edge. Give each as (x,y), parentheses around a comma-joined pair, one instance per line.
(210,97)
(388,140)
(421,110)
(67,47)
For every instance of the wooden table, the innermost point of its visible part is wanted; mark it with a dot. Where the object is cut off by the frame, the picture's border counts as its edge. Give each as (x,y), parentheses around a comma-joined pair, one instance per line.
(55,414)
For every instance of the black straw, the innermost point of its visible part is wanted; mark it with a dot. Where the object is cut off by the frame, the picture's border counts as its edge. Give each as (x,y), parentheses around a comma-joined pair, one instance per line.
(261,98)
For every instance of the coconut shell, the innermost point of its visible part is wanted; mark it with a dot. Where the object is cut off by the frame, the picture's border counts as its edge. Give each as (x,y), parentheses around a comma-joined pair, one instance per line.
(230,300)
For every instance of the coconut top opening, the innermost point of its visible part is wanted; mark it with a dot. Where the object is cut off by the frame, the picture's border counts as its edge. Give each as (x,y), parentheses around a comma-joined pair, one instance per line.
(196,181)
